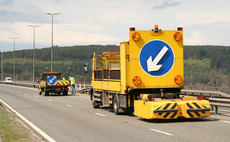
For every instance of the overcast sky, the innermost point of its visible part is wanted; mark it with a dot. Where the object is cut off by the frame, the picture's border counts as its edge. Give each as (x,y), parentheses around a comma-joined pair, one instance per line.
(84,22)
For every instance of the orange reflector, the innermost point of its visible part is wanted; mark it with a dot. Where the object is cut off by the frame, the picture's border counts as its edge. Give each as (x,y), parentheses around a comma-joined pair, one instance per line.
(177,36)
(136,36)
(178,79)
(136,80)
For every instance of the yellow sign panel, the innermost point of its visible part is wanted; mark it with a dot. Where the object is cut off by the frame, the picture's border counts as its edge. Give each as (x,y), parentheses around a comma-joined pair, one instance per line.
(157,58)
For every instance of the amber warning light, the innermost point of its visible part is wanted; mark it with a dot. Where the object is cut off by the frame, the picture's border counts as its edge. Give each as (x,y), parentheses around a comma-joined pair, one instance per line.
(156,28)
(136,36)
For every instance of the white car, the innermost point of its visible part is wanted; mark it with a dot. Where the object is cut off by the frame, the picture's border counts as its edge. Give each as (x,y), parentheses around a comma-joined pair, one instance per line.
(8,79)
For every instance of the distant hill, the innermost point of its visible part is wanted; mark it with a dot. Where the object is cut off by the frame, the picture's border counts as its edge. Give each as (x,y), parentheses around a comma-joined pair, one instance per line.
(204,65)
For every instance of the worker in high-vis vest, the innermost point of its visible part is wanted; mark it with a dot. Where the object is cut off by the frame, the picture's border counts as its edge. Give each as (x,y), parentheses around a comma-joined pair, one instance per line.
(72,84)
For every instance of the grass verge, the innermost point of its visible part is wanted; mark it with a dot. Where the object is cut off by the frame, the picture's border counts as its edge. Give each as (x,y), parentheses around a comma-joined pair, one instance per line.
(11,130)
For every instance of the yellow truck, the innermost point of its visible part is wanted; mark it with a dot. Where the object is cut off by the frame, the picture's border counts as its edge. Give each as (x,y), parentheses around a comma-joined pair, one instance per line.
(53,82)
(146,77)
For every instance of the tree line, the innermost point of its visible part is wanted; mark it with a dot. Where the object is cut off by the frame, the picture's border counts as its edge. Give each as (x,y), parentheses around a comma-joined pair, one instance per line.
(204,65)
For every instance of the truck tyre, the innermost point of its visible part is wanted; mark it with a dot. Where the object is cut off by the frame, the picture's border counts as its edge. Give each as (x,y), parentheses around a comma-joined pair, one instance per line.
(46,93)
(65,93)
(116,104)
(94,103)
(91,94)
(40,93)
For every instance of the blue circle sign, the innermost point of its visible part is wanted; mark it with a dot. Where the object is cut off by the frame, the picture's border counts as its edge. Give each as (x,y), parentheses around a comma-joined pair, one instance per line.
(51,80)
(156,58)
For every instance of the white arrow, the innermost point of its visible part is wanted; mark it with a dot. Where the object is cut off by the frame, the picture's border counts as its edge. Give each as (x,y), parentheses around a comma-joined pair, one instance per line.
(152,65)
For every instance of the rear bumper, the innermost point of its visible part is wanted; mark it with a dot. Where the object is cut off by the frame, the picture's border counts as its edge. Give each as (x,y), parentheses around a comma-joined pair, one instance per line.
(172,109)
(56,89)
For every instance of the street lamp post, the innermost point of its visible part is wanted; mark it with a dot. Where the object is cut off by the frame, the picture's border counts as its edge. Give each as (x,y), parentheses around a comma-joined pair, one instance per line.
(34,26)
(2,64)
(52,14)
(14,38)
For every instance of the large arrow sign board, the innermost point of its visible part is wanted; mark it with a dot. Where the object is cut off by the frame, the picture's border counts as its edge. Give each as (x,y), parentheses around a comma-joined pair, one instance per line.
(156,58)
(51,80)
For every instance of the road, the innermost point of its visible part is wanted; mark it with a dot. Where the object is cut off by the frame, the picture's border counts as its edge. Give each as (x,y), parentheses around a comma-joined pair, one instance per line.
(72,119)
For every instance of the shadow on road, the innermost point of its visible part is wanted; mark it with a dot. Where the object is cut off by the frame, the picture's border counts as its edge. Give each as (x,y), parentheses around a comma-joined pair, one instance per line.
(180,120)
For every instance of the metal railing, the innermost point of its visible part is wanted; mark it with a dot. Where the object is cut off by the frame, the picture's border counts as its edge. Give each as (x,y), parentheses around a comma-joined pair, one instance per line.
(211,94)
(25,84)
(219,102)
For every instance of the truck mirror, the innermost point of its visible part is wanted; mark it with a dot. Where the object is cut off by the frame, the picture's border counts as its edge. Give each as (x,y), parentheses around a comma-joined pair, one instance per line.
(85,68)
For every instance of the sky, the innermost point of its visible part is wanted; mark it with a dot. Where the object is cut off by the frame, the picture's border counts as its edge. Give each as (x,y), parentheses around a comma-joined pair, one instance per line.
(87,22)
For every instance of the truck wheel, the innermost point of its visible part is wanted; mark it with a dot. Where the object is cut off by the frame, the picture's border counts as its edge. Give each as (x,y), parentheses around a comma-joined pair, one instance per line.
(94,103)
(65,93)
(116,105)
(40,93)
(46,93)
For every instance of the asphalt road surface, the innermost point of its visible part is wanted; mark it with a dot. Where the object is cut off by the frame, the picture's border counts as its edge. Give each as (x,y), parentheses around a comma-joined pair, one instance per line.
(72,119)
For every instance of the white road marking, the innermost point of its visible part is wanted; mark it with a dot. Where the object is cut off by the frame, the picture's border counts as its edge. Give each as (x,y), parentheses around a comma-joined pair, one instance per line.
(50,100)
(100,114)
(226,122)
(28,122)
(36,96)
(69,105)
(18,92)
(161,132)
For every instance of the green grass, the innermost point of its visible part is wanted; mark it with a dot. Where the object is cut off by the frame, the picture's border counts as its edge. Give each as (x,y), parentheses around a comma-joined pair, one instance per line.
(11,130)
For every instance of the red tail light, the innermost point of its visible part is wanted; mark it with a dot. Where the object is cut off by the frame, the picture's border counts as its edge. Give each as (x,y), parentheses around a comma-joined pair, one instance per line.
(132,28)
(201,98)
(180,28)
(151,99)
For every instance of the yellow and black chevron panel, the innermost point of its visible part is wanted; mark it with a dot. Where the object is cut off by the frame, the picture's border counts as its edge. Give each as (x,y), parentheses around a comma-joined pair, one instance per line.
(196,110)
(166,111)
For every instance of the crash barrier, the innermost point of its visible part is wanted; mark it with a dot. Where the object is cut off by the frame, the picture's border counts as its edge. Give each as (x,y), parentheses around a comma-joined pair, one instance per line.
(211,94)
(219,102)
(25,84)
(83,88)
(84,91)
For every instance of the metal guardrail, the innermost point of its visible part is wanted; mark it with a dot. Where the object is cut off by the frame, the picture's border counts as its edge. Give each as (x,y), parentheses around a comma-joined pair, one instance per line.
(32,85)
(84,91)
(211,94)
(82,88)
(216,102)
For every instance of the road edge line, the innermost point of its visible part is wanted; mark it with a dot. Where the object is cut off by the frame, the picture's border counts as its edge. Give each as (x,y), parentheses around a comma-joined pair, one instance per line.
(42,133)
